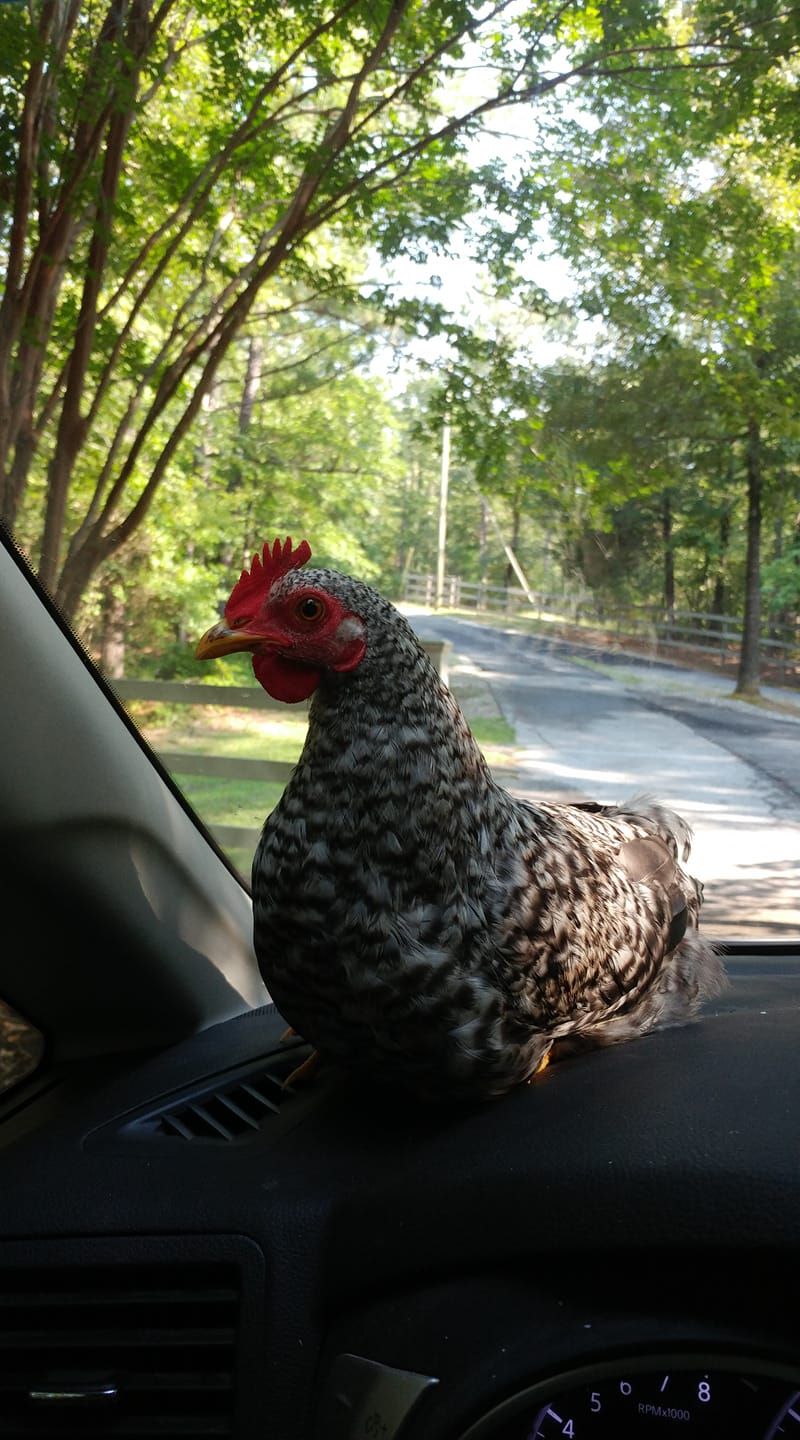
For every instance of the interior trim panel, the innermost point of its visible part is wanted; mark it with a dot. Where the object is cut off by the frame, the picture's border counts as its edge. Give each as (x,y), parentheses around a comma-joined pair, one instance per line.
(633,1204)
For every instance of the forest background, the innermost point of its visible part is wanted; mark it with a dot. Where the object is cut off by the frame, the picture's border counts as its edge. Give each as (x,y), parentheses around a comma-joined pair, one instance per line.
(224,232)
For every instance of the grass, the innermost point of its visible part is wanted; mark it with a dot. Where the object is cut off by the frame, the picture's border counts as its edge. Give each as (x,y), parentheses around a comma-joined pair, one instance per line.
(492,730)
(222,801)
(213,730)
(496,739)
(762,702)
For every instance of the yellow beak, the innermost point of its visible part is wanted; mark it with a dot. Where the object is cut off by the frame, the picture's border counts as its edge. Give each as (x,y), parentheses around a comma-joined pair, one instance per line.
(222,640)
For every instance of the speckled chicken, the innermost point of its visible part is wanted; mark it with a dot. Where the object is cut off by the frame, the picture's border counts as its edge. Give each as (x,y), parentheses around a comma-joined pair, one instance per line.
(412,918)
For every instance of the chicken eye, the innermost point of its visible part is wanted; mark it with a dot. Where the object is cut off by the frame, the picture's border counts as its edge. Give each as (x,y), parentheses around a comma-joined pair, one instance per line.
(310,609)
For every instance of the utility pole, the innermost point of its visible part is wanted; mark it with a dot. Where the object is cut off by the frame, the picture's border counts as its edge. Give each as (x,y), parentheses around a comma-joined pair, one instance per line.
(444,482)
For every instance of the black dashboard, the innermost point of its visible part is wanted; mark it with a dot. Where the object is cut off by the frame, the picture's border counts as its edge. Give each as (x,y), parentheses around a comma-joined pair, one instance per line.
(191,1249)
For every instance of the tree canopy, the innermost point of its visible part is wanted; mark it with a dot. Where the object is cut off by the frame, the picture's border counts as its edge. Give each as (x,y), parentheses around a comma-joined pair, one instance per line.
(200,212)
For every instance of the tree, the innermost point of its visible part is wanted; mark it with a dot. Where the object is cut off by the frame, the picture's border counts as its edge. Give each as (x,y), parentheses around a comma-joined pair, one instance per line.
(296,436)
(686,235)
(167,169)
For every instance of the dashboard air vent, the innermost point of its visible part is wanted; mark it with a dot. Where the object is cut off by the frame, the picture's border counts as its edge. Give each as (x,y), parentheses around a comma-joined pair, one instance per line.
(229,1109)
(118,1350)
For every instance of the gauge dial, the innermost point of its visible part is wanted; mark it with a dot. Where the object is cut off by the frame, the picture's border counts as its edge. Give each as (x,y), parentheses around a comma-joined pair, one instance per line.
(653,1398)
(702,1402)
(787,1421)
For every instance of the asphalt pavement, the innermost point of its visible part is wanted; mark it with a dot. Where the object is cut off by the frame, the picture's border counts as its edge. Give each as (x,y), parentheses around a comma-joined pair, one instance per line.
(608,729)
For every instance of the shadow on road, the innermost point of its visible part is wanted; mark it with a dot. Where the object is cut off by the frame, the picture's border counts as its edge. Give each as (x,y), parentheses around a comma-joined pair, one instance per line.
(766,903)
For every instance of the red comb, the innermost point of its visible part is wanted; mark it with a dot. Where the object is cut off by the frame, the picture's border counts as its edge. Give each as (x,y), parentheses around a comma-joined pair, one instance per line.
(254,583)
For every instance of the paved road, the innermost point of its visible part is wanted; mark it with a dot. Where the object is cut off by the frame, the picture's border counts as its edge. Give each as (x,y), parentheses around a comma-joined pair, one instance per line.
(591,730)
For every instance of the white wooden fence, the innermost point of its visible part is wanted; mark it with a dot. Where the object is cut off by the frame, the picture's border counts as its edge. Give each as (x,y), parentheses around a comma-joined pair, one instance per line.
(718,637)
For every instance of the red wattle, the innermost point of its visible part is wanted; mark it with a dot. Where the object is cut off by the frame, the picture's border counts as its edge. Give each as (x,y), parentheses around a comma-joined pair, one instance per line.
(287,680)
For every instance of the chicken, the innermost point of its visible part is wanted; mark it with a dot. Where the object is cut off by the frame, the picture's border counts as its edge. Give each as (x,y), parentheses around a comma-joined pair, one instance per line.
(414,920)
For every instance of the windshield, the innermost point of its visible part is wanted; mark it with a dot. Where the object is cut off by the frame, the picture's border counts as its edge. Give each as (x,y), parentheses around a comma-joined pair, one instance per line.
(498,309)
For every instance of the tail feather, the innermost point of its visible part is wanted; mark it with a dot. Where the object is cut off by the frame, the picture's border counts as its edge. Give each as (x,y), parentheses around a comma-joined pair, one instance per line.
(671,826)
(693,974)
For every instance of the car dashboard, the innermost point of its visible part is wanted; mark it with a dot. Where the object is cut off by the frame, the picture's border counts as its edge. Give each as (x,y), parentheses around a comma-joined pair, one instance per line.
(190,1247)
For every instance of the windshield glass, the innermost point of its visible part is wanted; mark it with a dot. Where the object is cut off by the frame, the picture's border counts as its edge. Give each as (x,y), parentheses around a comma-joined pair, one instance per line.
(498,310)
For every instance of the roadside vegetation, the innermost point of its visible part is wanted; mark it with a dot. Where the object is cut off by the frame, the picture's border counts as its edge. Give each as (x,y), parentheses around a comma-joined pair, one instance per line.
(228,240)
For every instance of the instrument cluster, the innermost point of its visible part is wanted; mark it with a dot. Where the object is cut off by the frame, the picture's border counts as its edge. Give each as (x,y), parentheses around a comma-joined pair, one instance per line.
(678,1394)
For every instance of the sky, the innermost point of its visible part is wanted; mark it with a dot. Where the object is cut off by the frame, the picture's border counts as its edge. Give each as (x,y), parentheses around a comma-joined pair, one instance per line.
(465,287)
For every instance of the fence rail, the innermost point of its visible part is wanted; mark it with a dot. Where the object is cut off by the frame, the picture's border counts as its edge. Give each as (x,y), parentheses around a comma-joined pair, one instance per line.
(241,697)
(189,692)
(715,636)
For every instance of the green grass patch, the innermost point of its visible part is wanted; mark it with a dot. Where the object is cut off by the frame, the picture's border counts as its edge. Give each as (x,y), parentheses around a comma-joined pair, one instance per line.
(269,741)
(493,730)
(247,734)
(178,662)
(762,702)
(230,802)
(496,739)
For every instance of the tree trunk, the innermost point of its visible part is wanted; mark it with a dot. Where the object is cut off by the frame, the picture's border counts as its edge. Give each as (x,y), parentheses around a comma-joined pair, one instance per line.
(777,618)
(412,498)
(483,552)
(747,683)
(236,470)
(73,425)
(112,644)
(35,265)
(669,556)
(252,381)
(719,598)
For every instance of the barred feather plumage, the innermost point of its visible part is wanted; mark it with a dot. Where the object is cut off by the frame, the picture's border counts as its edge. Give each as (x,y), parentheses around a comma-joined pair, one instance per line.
(416,921)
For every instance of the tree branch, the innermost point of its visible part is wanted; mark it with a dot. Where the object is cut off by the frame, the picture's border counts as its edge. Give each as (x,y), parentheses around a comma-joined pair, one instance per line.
(220,338)
(198,191)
